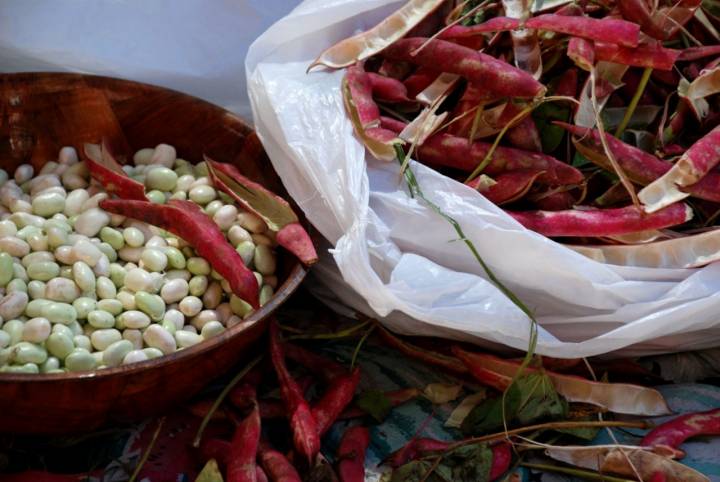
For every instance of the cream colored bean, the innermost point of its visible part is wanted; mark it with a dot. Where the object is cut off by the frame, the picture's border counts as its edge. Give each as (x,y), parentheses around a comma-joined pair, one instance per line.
(200,181)
(211,328)
(80,360)
(86,251)
(224,312)
(21,206)
(61,289)
(264,260)
(135,319)
(20,273)
(36,330)
(152,352)
(239,306)
(251,223)
(38,242)
(135,356)
(14,328)
(176,318)
(7,228)
(130,254)
(152,305)
(25,352)
(205,316)
(156,336)
(114,354)
(127,299)
(156,242)
(102,268)
(24,173)
(64,254)
(225,216)
(174,290)
(36,289)
(100,319)
(164,155)
(198,285)
(153,259)
(103,338)
(237,235)
(184,183)
(75,201)
(234,320)
(212,207)
(259,239)
(14,246)
(174,274)
(84,276)
(202,194)
(59,313)
(6,268)
(44,271)
(186,339)
(13,305)
(93,202)
(140,280)
(83,306)
(116,220)
(47,204)
(266,293)
(90,222)
(68,156)
(114,307)
(105,288)
(213,295)
(4,339)
(73,181)
(190,305)
(143,156)
(135,337)
(271,281)
(82,341)
(246,250)
(133,237)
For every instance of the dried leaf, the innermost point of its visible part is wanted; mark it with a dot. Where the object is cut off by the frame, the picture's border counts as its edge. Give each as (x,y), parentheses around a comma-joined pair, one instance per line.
(630,462)
(695,92)
(368,43)
(463,409)
(440,393)
(440,88)
(608,72)
(375,404)
(210,473)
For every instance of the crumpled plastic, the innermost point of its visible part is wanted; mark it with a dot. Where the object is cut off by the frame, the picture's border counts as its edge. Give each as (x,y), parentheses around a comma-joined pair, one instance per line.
(393,257)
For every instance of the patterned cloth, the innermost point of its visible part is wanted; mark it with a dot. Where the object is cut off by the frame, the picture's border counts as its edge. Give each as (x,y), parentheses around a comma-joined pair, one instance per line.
(112,455)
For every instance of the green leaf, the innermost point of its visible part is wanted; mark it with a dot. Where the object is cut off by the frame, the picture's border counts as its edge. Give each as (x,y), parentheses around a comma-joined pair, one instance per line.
(468,463)
(539,400)
(487,417)
(210,473)
(477,17)
(579,160)
(415,471)
(375,403)
(550,135)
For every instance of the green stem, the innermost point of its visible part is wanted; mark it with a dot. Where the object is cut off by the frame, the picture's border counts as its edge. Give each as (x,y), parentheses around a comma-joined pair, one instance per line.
(582,474)
(218,401)
(330,336)
(145,456)
(359,345)
(634,101)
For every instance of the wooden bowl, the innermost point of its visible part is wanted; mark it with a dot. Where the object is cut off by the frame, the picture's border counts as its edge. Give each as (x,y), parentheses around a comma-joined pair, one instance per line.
(42,112)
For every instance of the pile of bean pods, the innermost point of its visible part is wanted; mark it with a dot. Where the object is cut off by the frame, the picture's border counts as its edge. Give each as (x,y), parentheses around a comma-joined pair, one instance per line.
(589,122)
(90,281)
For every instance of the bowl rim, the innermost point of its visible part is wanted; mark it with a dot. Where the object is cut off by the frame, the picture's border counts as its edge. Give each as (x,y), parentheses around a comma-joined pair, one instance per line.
(292,281)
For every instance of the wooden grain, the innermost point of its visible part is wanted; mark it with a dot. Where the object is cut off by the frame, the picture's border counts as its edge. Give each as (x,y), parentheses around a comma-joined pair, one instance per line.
(43,112)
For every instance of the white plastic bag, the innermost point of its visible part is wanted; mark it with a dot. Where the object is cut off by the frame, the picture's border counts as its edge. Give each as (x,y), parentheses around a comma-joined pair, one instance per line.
(395,256)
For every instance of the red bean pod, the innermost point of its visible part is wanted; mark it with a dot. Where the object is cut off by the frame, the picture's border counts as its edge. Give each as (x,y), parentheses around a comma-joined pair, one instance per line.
(351,454)
(107,171)
(388,89)
(676,431)
(335,399)
(611,30)
(188,221)
(483,375)
(493,74)
(432,358)
(653,56)
(601,222)
(241,457)
(509,186)
(495,24)
(277,467)
(318,365)
(306,437)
